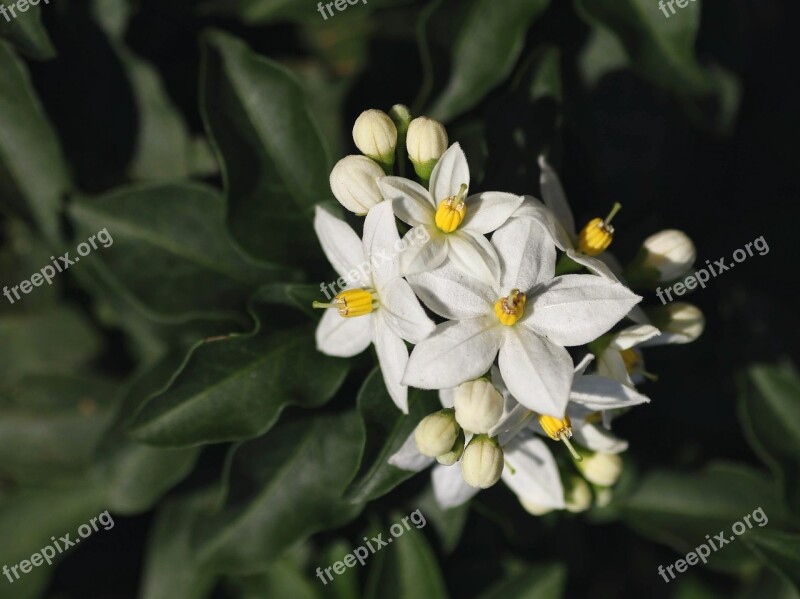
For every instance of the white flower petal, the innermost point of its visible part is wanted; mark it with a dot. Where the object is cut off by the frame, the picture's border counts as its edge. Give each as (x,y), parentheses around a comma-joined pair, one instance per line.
(595,265)
(343,337)
(601,393)
(596,438)
(449,487)
(400,309)
(514,419)
(638,315)
(380,240)
(342,247)
(455,353)
(538,373)
(555,198)
(449,174)
(472,254)
(533,208)
(527,254)
(423,256)
(633,336)
(409,458)
(534,478)
(577,309)
(489,210)
(452,294)
(393,358)
(611,365)
(447,397)
(581,367)
(411,201)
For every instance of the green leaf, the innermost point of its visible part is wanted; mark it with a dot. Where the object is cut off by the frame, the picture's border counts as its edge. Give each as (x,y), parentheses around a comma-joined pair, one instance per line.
(488,46)
(284,486)
(171,569)
(770,414)
(406,569)
(680,509)
(33,174)
(780,551)
(27,33)
(385,429)
(345,585)
(448,523)
(60,341)
(170,252)
(283,578)
(259,12)
(538,582)
(235,388)
(51,424)
(22,255)
(273,158)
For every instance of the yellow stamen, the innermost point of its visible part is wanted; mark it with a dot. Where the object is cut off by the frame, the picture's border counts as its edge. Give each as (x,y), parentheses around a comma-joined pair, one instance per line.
(451,212)
(351,303)
(595,237)
(560,429)
(510,309)
(631,359)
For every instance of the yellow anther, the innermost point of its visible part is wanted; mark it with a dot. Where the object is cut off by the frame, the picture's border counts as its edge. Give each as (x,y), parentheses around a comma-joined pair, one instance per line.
(510,309)
(451,212)
(631,359)
(351,303)
(595,237)
(559,429)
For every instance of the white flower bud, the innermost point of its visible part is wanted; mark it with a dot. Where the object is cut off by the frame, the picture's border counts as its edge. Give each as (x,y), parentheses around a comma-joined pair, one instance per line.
(482,463)
(578,495)
(455,453)
(426,141)
(534,509)
(354,182)
(478,405)
(437,433)
(603,497)
(685,320)
(376,136)
(601,469)
(401,117)
(669,252)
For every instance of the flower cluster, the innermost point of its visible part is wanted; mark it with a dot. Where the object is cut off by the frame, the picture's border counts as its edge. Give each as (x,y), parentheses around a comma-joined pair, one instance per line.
(506,305)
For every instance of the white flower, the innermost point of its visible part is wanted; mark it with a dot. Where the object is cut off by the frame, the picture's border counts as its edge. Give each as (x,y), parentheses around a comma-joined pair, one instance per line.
(527,316)
(456,224)
(354,182)
(375,135)
(482,463)
(621,360)
(479,406)
(383,309)
(671,253)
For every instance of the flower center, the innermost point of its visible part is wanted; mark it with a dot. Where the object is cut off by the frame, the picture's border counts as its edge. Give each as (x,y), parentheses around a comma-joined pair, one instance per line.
(510,309)
(451,211)
(631,359)
(595,237)
(559,429)
(352,303)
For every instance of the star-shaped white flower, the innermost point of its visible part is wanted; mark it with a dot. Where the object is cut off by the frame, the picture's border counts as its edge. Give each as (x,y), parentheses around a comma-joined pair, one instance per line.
(382,307)
(621,360)
(528,317)
(455,224)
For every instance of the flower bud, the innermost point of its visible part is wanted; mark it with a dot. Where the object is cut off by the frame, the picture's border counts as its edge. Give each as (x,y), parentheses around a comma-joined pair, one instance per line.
(455,453)
(482,462)
(437,433)
(578,495)
(670,253)
(354,182)
(534,509)
(426,142)
(601,469)
(478,405)
(376,136)
(685,320)
(401,117)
